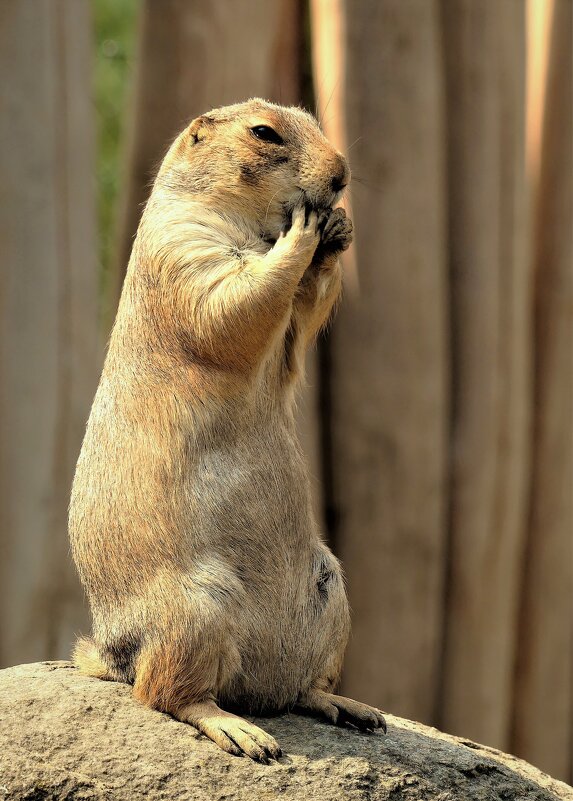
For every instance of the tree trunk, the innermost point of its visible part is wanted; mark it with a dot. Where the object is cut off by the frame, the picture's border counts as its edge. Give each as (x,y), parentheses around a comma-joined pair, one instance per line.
(48,314)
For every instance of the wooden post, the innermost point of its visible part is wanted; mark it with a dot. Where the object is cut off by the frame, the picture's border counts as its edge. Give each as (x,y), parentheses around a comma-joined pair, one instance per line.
(389,380)
(327,50)
(543,701)
(49,353)
(485,64)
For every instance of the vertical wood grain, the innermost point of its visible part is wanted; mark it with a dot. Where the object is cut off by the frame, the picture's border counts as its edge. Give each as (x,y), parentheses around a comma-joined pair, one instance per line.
(490,278)
(328,56)
(543,700)
(389,380)
(49,353)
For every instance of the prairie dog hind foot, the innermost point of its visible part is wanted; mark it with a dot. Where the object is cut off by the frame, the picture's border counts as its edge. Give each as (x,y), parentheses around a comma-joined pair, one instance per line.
(341,711)
(231,732)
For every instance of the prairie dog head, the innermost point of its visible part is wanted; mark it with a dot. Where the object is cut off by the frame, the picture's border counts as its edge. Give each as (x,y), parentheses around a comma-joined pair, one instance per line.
(256,160)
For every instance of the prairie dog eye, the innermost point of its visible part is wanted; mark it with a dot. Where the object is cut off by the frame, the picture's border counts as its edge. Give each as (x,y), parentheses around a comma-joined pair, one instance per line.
(267,134)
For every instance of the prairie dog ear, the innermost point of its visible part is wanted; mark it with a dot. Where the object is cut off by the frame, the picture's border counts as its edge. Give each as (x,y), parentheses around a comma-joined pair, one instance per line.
(200,128)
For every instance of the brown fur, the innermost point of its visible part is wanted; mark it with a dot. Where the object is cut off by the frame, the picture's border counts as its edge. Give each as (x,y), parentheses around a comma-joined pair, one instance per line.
(190,517)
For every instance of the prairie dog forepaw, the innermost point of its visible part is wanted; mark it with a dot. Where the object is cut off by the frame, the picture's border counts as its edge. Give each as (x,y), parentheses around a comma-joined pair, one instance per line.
(342,711)
(303,236)
(336,232)
(232,733)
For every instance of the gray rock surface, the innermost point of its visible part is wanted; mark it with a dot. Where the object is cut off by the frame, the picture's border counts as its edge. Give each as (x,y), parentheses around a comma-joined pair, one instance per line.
(65,736)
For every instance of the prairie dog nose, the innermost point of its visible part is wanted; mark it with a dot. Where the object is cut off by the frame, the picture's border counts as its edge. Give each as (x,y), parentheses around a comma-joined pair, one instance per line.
(338,183)
(341,178)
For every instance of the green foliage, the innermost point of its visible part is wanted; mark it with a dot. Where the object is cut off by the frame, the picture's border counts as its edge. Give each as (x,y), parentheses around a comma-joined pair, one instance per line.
(114,25)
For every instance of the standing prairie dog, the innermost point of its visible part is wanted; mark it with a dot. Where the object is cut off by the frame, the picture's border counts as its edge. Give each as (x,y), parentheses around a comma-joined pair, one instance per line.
(190,518)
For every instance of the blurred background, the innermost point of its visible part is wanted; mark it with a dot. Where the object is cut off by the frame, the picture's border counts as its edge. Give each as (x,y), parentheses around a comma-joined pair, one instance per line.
(438,415)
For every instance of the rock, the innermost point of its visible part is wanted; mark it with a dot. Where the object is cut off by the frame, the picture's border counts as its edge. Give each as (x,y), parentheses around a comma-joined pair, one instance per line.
(65,736)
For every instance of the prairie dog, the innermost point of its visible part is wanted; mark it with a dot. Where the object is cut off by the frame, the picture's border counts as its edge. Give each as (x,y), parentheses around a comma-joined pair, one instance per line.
(190,517)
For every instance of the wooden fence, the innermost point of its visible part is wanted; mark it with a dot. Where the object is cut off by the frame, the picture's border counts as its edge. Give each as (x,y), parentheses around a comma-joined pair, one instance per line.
(438,416)
(49,345)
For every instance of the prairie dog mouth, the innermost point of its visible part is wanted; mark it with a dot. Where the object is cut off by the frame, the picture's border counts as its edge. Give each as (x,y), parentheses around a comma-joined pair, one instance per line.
(310,204)
(313,203)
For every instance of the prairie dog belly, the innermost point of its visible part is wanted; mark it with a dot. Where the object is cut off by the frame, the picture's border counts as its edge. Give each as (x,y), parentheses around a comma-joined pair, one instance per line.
(287,634)
(293,614)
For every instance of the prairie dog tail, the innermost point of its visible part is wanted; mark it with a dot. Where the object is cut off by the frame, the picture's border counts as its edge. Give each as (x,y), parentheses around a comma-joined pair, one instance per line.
(86,657)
